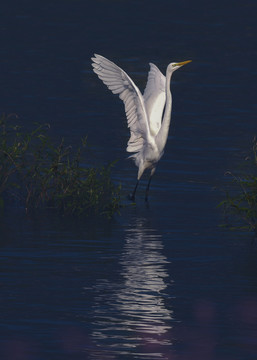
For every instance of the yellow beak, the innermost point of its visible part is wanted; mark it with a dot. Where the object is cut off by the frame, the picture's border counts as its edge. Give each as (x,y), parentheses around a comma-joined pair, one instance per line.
(183,63)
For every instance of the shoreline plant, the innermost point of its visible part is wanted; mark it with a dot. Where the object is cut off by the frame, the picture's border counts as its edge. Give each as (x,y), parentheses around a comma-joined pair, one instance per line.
(240,204)
(38,173)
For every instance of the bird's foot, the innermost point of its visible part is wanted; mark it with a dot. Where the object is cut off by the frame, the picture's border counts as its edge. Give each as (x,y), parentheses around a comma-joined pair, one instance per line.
(147,204)
(131,197)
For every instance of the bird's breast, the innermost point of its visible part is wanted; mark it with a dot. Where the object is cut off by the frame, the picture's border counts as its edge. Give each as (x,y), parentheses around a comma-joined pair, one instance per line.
(153,155)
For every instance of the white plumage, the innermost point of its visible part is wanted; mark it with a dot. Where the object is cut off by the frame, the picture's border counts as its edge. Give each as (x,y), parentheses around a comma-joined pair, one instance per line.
(147,120)
(154,98)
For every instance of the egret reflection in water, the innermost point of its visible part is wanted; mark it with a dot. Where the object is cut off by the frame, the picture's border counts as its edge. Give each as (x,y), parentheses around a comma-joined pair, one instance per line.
(132,317)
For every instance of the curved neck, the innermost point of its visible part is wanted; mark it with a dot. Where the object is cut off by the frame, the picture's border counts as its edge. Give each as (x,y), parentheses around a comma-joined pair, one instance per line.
(161,137)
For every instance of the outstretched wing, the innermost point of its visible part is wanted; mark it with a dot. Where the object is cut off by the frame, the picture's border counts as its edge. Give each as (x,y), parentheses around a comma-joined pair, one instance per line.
(120,83)
(154,98)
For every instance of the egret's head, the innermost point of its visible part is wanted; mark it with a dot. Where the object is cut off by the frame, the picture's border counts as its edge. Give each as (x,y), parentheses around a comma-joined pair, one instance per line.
(174,66)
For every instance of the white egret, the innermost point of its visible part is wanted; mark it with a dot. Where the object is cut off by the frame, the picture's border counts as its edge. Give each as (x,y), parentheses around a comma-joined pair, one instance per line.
(147,120)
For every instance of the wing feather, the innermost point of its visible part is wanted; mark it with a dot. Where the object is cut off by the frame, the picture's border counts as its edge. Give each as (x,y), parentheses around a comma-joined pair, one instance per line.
(120,83)
(154,98)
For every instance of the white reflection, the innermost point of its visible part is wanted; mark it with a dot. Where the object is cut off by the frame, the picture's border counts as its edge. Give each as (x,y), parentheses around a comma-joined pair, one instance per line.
(131,317)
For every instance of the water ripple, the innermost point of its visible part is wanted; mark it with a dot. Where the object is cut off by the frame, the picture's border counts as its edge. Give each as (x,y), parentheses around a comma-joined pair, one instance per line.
(131,316)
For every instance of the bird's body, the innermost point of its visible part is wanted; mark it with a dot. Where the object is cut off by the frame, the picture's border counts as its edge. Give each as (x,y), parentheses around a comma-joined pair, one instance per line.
(148,115)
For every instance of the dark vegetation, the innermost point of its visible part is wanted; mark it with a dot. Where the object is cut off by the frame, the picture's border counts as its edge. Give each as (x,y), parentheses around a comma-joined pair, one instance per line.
(240,205)
(37,173)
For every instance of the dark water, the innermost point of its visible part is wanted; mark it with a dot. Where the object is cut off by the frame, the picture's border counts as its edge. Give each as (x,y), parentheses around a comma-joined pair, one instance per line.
(157,282)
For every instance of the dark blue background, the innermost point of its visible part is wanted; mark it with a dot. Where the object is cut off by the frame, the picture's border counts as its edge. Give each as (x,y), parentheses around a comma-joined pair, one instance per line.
(163,281)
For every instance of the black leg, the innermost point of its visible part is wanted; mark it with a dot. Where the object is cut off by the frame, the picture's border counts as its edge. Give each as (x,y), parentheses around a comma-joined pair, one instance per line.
(147,189)
(132,197)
